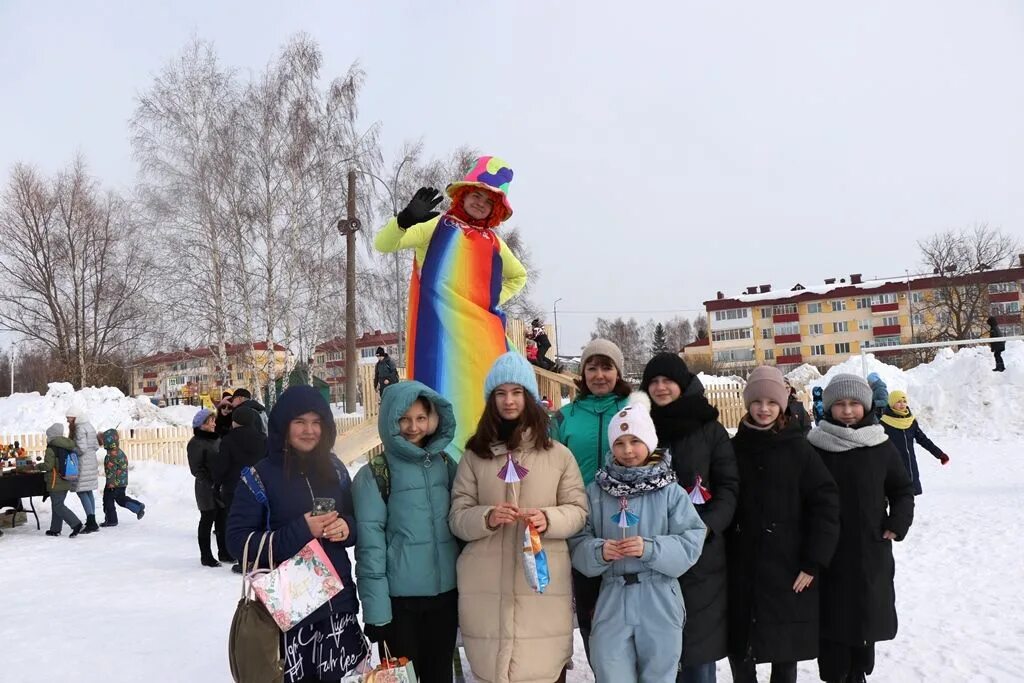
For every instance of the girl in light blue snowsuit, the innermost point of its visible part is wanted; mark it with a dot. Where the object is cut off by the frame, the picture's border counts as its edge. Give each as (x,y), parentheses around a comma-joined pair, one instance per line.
(642,534)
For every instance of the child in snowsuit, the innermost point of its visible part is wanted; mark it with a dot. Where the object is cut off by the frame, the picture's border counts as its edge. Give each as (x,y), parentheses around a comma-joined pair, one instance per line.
(903,430)
(115,469)
(876,507)
(819,406)
(785,530)
(641,535)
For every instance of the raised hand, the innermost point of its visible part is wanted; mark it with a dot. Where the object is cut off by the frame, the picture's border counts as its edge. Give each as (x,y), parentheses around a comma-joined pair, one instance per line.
(420,208)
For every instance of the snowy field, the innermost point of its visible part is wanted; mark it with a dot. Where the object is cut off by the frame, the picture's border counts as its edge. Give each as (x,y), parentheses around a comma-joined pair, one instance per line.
(135,597)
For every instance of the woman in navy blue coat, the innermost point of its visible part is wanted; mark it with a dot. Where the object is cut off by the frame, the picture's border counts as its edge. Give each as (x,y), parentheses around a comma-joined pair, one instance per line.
(903,430)
(277,495)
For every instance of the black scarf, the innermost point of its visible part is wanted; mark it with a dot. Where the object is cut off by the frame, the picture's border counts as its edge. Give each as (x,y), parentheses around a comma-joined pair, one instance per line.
(682,417)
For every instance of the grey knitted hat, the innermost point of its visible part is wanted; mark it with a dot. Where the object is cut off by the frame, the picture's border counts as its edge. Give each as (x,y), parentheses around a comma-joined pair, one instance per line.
(853,387)
(54,430)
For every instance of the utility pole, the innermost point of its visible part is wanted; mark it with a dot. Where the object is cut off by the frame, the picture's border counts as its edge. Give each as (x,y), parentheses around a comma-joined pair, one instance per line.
(558,340)
(14,349)
(348,227)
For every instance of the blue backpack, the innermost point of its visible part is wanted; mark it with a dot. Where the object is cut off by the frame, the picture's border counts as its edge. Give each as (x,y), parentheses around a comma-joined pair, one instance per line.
(67,464)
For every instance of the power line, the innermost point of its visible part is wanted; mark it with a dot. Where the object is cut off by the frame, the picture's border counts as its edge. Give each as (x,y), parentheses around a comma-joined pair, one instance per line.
(630,311)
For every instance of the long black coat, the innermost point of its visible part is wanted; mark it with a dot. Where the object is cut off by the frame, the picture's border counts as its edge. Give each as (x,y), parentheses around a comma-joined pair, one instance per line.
(787,521)
(858,598)
(699,445)
(241,447)
(203,453)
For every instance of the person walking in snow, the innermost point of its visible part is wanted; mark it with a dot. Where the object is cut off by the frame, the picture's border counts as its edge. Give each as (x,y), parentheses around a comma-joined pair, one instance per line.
(903,430)
(384,373)
(705,466)
(115,469)
(879,394)
(641,535)
(278,495)
(876,507)
(58,447)
(785,531)
(511,631)
(81,431)
(582,427)
(997,347)
(405,551)
(203,452)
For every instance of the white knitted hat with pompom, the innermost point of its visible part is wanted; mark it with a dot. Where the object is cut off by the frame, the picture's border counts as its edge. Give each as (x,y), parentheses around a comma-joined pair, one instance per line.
(635,419)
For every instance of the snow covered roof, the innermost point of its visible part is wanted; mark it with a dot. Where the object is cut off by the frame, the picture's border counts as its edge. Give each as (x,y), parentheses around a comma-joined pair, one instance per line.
(200,352)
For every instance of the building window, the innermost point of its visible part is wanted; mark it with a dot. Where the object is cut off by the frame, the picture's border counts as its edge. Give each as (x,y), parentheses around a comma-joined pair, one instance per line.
(814,308)
(1013,330)
(883,299)
(769,354)
(864,302)
(785,309)
(786,328)
(239,376)
(917,297)
(818,350)
(838,305)
(917,319)
(791,351)
(368,352)
(732,314)
(730,335)
(890,321)
(884,341)
(1001,287)
(843,347)
(734,355)
(816,329)
(766,333)
(864,324)
(766,311)
(842,326)
(1004,308)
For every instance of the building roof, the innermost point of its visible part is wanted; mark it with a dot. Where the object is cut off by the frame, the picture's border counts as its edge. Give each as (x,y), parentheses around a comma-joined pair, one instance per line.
(703,341)
(368,339)
(201,352)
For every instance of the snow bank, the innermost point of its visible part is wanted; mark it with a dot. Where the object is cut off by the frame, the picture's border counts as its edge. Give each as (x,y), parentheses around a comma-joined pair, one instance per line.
(802,376)
(104,407)
(957,392)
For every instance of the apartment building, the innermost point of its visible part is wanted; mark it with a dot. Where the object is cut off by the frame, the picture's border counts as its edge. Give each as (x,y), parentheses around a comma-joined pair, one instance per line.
(183,375)
(329,357)
(825,324)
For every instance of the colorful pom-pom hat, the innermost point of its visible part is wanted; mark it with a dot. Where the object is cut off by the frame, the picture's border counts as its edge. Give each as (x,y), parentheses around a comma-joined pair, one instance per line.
(488,173)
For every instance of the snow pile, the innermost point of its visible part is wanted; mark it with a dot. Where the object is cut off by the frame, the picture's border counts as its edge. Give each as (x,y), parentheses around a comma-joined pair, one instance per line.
(957,392)
(104,407)
(712,380)
(802,376)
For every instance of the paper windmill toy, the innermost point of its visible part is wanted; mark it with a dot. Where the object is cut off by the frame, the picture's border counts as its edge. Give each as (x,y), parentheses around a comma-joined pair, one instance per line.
(625,518)
(698,493)
(512,472)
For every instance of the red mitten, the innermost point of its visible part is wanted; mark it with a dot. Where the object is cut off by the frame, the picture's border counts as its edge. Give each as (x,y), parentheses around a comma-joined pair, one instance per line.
(944,459)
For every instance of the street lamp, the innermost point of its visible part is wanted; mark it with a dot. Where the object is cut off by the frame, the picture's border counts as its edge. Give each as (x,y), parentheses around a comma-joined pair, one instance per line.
(558,339)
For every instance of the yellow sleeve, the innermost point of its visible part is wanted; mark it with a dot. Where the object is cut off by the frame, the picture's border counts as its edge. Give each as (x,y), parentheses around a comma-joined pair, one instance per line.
(513,274)
(392,238)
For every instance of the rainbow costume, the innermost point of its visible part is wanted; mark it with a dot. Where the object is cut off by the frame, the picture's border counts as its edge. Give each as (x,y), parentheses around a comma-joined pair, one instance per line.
(461,275)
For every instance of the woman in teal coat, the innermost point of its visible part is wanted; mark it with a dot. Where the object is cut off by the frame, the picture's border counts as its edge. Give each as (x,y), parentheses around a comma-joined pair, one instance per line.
(405,552)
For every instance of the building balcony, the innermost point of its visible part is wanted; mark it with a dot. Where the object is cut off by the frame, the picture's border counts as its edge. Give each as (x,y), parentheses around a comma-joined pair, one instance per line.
(886,330)
(1002,297)
(786,318)
(787,338)
(149,375)
(789,360)
(884,308)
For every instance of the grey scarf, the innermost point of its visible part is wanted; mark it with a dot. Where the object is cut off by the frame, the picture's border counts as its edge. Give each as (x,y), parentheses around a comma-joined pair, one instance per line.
(837,439)
(627,482)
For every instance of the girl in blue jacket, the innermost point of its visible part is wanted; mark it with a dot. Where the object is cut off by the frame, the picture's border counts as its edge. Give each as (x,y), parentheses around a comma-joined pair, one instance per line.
(405,555)
(903,430)
(277,495)
(642,534)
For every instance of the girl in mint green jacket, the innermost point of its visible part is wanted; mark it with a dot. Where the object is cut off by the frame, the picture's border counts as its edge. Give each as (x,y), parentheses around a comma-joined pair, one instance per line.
(405,552)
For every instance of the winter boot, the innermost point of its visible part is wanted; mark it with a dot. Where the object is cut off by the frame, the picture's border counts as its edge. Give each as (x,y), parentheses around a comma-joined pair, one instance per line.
(236,568)
(141,512)
(90,524)
(52,533)
(108,524)
(210,562)
(77,529)
(224,556)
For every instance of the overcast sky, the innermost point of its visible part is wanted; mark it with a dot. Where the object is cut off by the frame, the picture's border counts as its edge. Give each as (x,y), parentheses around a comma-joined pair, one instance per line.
(662,151)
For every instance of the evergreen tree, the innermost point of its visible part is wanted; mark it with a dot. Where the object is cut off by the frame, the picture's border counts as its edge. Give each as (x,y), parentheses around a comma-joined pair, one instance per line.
(660,343)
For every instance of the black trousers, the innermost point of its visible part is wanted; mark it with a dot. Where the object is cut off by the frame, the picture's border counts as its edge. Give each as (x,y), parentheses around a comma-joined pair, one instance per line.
(744,671)
(838,660)
(999,360)
(585,590)
(424,630)
(215,520)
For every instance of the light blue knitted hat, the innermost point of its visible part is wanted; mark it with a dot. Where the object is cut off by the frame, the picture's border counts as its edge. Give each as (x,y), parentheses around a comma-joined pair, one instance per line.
(512,368)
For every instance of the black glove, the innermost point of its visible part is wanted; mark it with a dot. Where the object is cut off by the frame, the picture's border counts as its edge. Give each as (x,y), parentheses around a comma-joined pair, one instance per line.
(377,634)
(420,208)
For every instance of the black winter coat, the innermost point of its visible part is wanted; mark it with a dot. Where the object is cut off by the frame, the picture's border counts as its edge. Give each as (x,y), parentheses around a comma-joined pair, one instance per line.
(241,447)
(904,440)
(797,411)
(203,454)
(995,332)
(384,370)
(787,521)
(858,598)
(699,445)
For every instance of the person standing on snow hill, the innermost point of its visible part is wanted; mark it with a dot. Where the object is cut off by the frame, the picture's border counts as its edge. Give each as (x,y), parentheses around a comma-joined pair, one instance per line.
(876,507)
(405,552)
(582,427)
(300,467)
(997,347)
(115,469)
(81,431)
(203,451)
(57,448)
(903,430)
(879,394)
(641,535)
(462,273)
(784,533)
(705,466)
(511,631)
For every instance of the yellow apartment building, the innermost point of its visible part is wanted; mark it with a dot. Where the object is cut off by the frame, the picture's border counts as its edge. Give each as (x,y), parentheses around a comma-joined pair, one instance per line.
(825,324)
